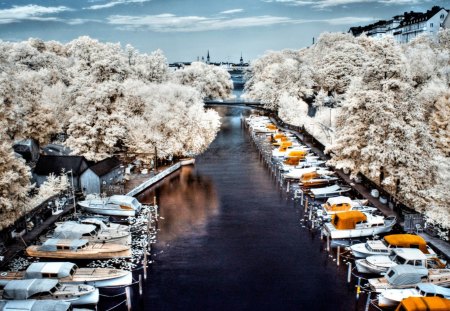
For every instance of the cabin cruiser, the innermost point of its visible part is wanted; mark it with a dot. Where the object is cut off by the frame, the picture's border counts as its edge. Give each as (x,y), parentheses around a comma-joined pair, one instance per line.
(298,173)
(36,305)
(329,191)
(93,230)
(388,243)
(392,297)
(78,249)
(67,272)
(50,289)
(424,304)
(341,204)
(116,205)
(407,276)
(301,162)
(353,224)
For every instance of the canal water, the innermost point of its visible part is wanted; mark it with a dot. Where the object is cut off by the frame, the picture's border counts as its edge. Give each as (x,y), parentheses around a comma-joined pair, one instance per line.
(230,239)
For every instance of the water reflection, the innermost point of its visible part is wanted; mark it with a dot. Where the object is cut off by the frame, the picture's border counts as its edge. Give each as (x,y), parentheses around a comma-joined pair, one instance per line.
(189,200)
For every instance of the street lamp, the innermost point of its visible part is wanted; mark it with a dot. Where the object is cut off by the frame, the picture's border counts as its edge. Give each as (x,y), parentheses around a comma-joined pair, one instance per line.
(73,193)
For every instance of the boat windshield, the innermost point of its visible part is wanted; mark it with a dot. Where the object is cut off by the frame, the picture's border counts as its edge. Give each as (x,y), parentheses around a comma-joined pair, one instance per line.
(400,260)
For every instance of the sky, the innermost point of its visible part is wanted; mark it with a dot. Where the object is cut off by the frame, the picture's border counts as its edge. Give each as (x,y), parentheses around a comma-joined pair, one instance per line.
(187,29)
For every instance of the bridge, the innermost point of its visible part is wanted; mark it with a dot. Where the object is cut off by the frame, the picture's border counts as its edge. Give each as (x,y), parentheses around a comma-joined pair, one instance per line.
(233,102)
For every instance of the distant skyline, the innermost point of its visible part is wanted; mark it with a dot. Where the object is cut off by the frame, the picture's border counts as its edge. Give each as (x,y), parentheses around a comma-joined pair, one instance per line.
(187,29)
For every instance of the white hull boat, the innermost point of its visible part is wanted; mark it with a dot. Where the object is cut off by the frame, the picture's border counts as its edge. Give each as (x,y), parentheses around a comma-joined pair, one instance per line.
(330,191)
(374,264)
(116,205)
(392,297)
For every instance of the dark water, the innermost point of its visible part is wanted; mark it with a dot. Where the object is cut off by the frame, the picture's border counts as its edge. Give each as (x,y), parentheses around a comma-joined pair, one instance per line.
(229,239)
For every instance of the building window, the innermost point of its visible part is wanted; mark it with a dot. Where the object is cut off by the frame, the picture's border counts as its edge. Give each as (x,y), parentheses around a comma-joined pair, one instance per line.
(442,16)
(431,25)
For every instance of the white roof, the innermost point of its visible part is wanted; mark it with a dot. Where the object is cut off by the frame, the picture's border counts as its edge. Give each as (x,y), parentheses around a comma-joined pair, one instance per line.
(325,190)
(410,253)
(339,200)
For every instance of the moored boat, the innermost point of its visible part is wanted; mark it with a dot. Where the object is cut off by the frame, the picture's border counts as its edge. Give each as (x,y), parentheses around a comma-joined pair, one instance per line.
(392,297)
(35,305)
(328,191)
(353,224)
(78,249)
(42,289)
(67,272)
(116,205)
(424,304)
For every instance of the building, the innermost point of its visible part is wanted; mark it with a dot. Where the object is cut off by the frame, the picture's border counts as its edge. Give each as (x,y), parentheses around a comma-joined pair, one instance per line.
(28,149)
(100,175)
(74,166)
(408,26)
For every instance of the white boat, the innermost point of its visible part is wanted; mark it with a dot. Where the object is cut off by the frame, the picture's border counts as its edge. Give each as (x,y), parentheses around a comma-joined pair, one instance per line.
(388,243)
(309,161)
(392,297)
(93,230)
(285,151)
(381,263)
(407,276)
(341,204)
(329,191)
(116,205)
(50,289)
(35,305)
(353,224)
(67,272)
(187,161)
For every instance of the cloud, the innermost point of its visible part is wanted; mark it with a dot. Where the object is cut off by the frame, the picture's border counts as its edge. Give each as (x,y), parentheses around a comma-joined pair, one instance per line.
(172,23)
(29,12)
(232,11)
(321,4)
(113,4)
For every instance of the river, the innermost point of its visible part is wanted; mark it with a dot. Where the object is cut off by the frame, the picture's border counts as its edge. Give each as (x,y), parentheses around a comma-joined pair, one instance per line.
(230,239)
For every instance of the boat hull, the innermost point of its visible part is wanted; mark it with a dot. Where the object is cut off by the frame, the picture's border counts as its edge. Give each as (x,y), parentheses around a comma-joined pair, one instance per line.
(33,251)
(355,233)
(109,211)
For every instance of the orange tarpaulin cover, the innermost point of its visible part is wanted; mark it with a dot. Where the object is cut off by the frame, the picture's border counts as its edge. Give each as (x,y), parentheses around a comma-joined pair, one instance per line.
(424,304)
(348,220)
(297,153)
(407,240)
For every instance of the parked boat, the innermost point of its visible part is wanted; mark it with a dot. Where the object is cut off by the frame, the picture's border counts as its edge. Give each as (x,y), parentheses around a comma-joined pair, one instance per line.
(388,243)
(424,304)
(43,289)
(354,224)
(78,249)
(35,305)
(407,276)
(329,191)
(93,230)
(392,297)
(292,163)
(294,151)
(316,180)
(67,272)
(341,204)
(116,205)
(298,173)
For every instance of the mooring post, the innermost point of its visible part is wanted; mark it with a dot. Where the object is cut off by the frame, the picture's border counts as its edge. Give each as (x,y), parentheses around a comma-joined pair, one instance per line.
(349,272)
(140,284)
(328,242)
(367,301)
(144,264)
(358,288)
(288,185)
(338,254)
(310,213)
(302,196)
(128,295)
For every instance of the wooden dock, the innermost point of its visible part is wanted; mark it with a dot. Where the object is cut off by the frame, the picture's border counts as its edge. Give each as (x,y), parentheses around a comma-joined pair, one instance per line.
(441,246)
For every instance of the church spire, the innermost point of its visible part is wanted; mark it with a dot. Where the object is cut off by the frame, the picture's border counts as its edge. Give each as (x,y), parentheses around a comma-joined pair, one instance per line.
(208,58)
(241,60)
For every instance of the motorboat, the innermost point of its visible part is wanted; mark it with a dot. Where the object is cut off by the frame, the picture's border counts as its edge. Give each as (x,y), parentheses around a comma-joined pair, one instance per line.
(329,191)
(36,305)
(67,272)
(353,224)
(392,297)
(116,205)
(292,163)
(388,243)
(292,151)
(407,276)
(299,172)
(43,289)
(341,204)
(424,304)
(316,180)
(78,249)
(94,230)
(381,263)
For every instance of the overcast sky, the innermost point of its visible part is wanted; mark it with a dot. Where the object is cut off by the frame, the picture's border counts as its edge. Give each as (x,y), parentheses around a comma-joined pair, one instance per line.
(185,29)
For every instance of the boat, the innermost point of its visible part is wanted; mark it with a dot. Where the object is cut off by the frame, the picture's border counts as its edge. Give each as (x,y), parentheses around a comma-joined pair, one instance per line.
(93,230)
(329,191)
(392,297)
(424,304)
(67,272)
(341,204)
(35,305)
(388,243)
(316,180)
(301,162)
(78,249)
(407,276)
(43,289)
(354,224)
(299,172)
(292,151)
(116,205)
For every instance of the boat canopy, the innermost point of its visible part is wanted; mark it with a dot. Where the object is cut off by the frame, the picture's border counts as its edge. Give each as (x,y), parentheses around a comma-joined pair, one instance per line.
(34,305)
(52,245)
(435,290)
(325,190)
(38,270)
(24,289)
(125,200)
(339,200)
(407,240)
(297,153)
(74,230)
(348,220)
(410,254)
(405,275)
(424,304)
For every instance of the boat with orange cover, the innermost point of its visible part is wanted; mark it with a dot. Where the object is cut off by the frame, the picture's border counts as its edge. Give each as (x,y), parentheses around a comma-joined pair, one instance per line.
(424,304)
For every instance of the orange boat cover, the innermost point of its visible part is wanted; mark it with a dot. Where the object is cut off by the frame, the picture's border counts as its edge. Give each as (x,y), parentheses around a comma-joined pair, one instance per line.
(348,220)
(407,240)
(424,304)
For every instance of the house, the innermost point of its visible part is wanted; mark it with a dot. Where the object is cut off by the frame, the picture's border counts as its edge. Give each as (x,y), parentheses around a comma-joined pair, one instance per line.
(74,166)
(100,175)
(408,26)
(27,149)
